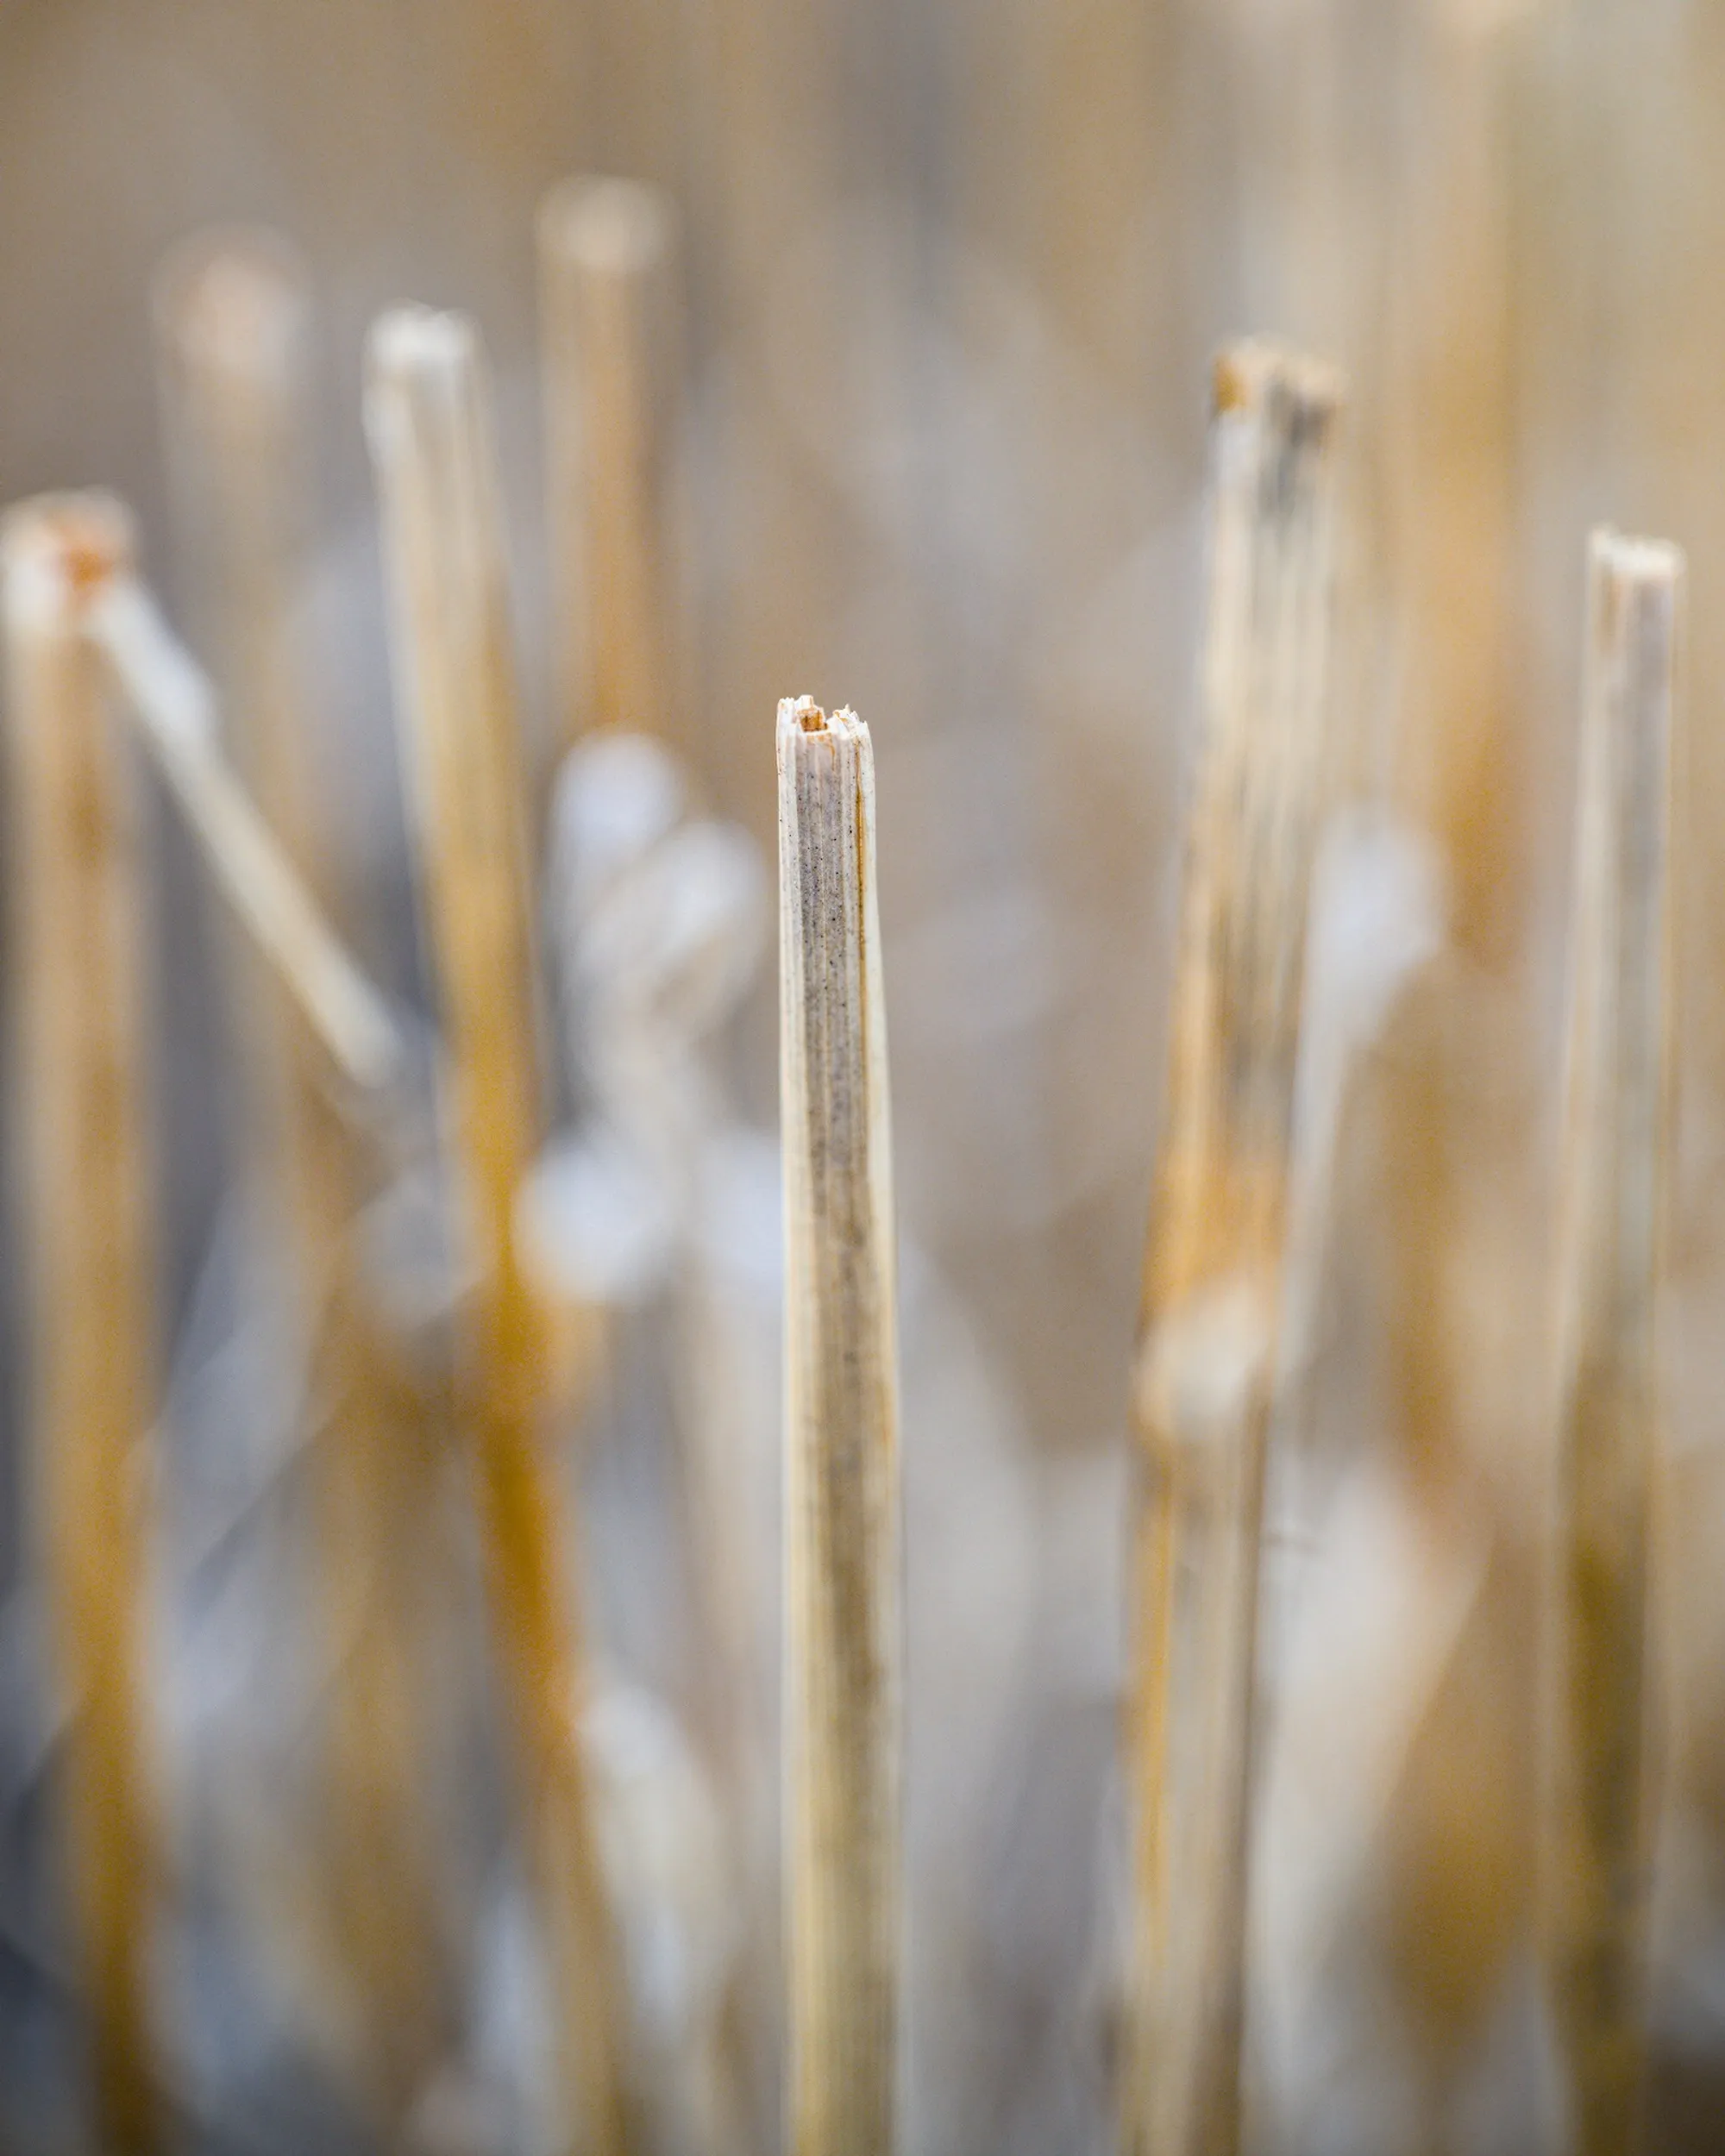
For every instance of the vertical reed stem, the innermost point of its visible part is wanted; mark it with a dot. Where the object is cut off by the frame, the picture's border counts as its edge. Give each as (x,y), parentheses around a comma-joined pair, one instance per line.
(605,248)
(1610,1261)
(233,314)
(844,1625)
(80,956)
(428,420)
(1213,1267)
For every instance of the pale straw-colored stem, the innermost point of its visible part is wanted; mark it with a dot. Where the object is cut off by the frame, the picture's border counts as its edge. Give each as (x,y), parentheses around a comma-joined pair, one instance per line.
(843,1677)
(234,322)
(81,922)
(1212,1280)
(170,699)
(428,420)
(1610,1260)
(605,251)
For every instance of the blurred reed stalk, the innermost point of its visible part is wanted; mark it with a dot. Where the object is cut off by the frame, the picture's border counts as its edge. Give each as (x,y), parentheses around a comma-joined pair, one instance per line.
(1213,1277)
(81,954)
(1453,407)
(172,708)
(427,417)
(1610,1268)
(606,248)
(844,1639)
(234,322)
(1459,1080)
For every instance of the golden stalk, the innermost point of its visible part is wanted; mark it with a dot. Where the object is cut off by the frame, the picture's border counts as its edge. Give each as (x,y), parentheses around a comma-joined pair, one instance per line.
(1610,1261)
(233,317)
(1212,1275)
(844,1623)
(1456,1095)
(428,421)
(604,249)
(81,959)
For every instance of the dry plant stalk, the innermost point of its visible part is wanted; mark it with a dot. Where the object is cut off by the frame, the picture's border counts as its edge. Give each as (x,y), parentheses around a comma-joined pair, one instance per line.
(604,249)
(80,957)
(428,421)
(232,325)
(233,316)
(844,1632)
(1610,1262)
(170,702)
(1456,1098)
(233,321)
(1203,1392)
(1451,539)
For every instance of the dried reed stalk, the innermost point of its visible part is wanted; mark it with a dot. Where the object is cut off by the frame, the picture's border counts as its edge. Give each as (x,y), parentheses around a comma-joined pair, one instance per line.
(172,703)
(233,315)
(843,1620)
(1610,1262)
(80,956)
(428,420)
(233,320)
(605,251)
(1212,1268)
(1450,537)
(1457,1098)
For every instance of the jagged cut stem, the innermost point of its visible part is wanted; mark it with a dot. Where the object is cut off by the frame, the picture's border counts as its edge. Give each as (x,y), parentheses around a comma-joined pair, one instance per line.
(1610,1260)
(80,958)
(605,248)
(428,421)
(844,1624)
(1212,1268)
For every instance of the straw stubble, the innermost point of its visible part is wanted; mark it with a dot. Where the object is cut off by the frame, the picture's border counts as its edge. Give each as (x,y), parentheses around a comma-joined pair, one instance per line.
(1203,1392)
(81,922)
(843,1616)
(605,251)
(1610,1259)
(233,328)
(428,419)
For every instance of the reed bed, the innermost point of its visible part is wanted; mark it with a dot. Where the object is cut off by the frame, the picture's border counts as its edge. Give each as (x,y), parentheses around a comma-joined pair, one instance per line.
(583,1588)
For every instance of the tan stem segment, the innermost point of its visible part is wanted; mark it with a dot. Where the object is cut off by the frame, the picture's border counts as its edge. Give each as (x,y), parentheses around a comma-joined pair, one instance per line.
(170,702)
(844,1622)
(1610,1260)
(80,958)
(428,419)
(233,319)
(1212,1268)
(604,249)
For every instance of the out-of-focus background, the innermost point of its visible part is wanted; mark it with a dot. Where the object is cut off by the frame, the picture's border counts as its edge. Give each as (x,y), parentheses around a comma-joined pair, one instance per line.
(948,282)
